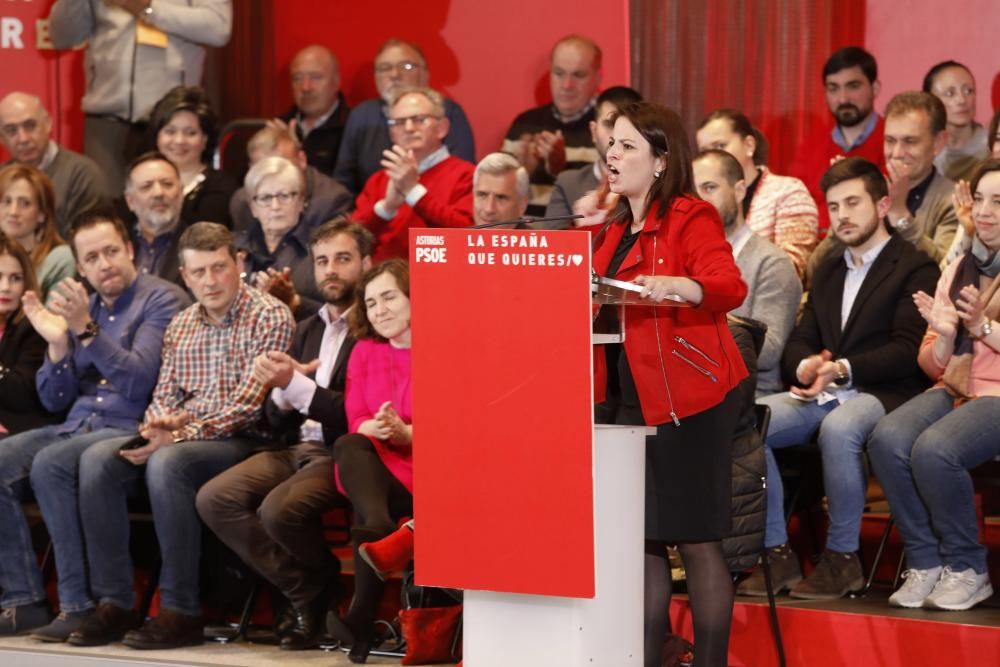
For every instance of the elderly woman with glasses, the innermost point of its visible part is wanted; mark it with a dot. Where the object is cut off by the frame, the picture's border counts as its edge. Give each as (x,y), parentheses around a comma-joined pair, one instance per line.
(276,247)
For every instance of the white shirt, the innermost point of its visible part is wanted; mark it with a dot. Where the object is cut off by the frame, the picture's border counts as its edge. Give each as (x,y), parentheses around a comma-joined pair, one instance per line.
(852,285)
(298,395)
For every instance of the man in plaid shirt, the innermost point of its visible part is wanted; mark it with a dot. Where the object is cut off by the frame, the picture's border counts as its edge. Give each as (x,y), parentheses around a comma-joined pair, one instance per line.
(203,419)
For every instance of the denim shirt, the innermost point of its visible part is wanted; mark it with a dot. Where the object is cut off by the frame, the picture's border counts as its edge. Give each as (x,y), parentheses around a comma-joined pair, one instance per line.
(108,383)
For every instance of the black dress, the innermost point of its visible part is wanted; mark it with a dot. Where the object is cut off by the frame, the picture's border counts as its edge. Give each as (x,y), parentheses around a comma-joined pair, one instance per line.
(688,467)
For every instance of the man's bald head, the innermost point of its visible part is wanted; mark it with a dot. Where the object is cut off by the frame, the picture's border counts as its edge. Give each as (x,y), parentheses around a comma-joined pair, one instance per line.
(315,80)
(24,127)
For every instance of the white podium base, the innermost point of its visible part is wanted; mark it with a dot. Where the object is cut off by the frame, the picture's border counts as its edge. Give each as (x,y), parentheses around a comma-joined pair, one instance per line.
(605,631)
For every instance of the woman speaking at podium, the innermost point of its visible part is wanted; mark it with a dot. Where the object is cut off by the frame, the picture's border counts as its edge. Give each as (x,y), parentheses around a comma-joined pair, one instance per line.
(678,367)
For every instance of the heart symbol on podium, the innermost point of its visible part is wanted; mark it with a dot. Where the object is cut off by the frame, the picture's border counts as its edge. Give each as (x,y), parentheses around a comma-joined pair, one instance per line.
(577,259)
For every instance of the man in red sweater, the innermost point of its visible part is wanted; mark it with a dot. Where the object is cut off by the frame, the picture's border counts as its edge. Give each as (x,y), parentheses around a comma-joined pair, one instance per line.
(850,77)
(420,184)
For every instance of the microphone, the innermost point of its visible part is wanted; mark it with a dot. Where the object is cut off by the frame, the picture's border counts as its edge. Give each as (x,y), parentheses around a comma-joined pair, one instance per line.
(529,221)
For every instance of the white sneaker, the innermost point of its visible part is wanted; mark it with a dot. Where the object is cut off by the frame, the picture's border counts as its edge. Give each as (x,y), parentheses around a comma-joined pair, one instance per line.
(917,586)
(958,591)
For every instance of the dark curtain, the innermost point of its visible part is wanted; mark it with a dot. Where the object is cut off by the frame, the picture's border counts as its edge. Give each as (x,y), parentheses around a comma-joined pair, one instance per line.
(763,57)
(241,75)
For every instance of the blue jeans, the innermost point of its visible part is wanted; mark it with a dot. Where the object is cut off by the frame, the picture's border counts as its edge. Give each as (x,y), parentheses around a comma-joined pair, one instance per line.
(843,430)
(173,475)
(50,460)
(921,454)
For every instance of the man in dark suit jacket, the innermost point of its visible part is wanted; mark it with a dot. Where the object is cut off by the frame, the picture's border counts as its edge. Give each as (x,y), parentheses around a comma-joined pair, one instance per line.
(851,359)
(268,508)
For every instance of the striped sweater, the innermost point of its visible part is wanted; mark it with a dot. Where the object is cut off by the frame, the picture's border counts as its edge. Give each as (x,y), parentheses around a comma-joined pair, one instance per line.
(783,212)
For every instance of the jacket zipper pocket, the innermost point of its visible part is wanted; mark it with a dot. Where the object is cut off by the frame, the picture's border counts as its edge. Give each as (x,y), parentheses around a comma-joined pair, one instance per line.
(704,371)
(694,349)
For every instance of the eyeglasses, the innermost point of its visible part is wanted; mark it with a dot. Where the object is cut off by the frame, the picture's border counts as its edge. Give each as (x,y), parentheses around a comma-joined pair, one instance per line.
(418,119)
(280,197)
(386,68)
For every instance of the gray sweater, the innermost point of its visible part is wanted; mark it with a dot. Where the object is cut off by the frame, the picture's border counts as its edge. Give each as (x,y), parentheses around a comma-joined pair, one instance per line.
(79,186)
(773,295)
(125,79)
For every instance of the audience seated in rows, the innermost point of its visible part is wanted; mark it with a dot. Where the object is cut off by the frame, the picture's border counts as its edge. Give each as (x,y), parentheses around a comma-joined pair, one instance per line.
(399,66)
(99,371)
(850,79)
(572,184)
(27,216)
(556,136)
(78,183)
(773,287)
(923,451)
(851,359)
(374,462)
(204,417)
(153,194)
(319,115)
(778,208)
(22,350)
(421,183)
(267,509)
(953,84)
(323,198)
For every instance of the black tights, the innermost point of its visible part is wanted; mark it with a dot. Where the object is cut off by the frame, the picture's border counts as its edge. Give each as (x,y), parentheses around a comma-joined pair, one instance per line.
(710,589)
(379,499)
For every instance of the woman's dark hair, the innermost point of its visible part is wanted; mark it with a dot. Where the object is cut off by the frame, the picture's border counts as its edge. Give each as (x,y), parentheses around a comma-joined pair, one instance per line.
(937,69)
(856,167)
(186,98)
(9,246)
(985,167)
(358,321)
(740,124)
(994,126)
(664,131)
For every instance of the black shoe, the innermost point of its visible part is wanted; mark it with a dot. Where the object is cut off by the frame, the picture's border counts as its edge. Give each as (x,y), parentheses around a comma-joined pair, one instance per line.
(307,629)
(59,630)
(168,630)
(285,621)
(342,630)
(106,624)
(24,618)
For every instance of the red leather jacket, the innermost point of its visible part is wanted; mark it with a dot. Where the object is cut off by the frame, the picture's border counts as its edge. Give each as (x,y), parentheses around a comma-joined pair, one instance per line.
(696,362)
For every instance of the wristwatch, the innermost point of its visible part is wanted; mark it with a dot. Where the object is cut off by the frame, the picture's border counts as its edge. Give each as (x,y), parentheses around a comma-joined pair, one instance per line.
(985,329)
(89,331)
(842,377)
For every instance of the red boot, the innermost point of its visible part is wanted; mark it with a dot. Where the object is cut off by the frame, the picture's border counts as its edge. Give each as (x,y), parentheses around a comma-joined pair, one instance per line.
(391,553)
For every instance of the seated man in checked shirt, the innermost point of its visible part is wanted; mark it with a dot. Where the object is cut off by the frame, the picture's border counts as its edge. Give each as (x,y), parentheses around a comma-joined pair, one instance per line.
(203,419)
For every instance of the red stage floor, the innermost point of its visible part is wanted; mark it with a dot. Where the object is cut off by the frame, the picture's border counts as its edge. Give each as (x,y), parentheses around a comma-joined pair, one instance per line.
(857,633)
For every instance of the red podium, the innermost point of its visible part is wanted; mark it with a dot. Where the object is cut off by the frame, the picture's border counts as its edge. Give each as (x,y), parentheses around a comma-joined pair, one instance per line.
(522,503)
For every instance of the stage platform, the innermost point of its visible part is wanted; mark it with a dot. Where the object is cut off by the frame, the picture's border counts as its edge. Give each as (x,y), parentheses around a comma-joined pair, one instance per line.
(841,633)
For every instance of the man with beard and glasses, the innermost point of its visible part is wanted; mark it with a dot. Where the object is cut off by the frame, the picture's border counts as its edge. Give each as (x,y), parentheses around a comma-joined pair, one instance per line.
(100,369)
(850,79)
(154,194)
(773,286)
(851,359)
(267,509)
